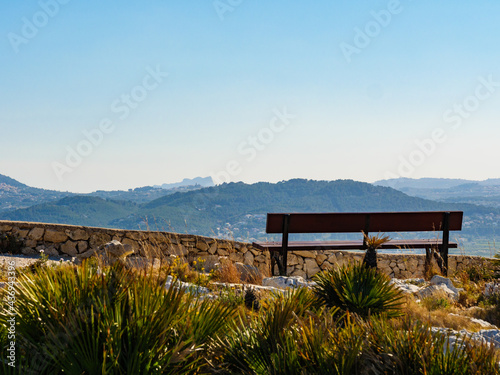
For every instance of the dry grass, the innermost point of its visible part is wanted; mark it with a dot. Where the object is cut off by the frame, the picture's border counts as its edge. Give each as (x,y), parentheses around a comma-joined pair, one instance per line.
(227,272)
(439,317)
(254,278)
(491,314)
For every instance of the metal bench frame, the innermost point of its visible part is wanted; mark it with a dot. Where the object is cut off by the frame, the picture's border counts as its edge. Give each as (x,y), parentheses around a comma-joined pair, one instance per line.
(365,222)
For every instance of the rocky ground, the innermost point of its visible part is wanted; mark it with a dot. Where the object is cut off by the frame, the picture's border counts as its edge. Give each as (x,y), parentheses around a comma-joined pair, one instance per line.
(26,260)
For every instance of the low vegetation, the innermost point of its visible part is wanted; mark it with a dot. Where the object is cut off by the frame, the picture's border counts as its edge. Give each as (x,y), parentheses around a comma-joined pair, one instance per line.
(109,319)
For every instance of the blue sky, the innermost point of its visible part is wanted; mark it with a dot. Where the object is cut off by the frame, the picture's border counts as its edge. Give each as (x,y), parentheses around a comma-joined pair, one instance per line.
(116,95)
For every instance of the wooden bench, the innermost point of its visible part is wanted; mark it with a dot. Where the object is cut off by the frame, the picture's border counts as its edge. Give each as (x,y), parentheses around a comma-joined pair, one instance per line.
(364,222)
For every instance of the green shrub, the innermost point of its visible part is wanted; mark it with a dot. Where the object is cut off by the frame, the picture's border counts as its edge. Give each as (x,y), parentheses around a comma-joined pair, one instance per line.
(360,290)
(84,320)
(436,303)
(9,243)
(271,342)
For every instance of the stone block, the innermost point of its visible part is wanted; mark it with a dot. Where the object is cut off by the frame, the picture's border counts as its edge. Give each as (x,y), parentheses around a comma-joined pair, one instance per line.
(255,251)
(203,246)
(20,233)
(30,243)
(305,254)
(248,258)
(36,234)
(292,259)
(284,282)
(78,234)
(222,252)
(332,259)
(213,248)
(5,228)
(98,239)
(180,250)
(225,245)
(326,265)
(69,247)
(82,246)
(51,251)
(236,257)
(115,249)
(136,236)
(311,267)
(300,273)
(260,259)
(28,251)
(358,258)
(55,236)
(133,244)
(320,258)
(412,265)
(87,254)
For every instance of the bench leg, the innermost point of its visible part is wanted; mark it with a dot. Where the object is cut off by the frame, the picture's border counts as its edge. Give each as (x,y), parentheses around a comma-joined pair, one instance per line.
(276,259)
(282,270)
(273,263)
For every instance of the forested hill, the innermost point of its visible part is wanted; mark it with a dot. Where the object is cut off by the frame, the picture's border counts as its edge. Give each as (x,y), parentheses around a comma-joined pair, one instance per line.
(238,209)
(15,195)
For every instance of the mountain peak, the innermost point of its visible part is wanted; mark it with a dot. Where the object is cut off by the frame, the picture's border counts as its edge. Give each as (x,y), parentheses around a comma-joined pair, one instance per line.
(202,181)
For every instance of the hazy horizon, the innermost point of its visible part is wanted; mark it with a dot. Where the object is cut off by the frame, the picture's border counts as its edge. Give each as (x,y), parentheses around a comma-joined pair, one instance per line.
(196,177)
(106,96)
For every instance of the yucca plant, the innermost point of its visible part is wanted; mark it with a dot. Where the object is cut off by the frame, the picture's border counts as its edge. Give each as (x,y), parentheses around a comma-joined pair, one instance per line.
(372,244)
(84,320)
(360,290)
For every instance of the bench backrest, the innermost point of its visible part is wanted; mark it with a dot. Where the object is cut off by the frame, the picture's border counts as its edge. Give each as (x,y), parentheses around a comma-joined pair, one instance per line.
(347,222)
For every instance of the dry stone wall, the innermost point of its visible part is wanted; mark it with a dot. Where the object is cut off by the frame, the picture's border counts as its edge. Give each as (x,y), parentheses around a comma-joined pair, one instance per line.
(401,266)
(79,241)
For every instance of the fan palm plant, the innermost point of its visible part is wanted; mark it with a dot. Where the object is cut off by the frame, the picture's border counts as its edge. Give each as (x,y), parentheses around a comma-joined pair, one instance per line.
(84,320)
(358,289)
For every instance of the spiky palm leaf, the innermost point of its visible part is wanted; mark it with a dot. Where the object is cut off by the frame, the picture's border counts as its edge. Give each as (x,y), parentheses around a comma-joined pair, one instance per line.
(82,320)
(359,290)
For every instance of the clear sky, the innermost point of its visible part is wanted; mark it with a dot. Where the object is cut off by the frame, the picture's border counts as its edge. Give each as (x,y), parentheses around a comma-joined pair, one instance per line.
(121,94)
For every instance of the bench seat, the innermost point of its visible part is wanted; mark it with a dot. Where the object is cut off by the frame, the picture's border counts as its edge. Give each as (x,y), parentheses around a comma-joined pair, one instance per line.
(439,222)
(350,245)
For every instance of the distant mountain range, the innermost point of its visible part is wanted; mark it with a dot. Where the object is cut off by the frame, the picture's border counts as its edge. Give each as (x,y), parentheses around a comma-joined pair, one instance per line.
(235,210)
(201,181)
(486,193)
(433,183)
(15,195)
